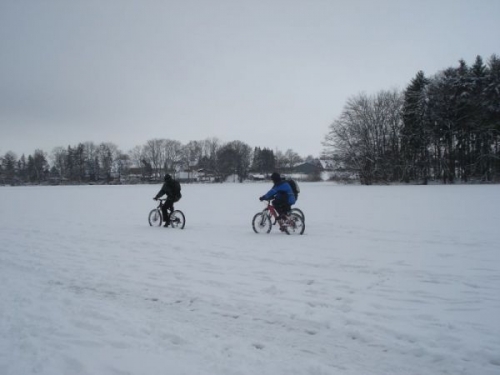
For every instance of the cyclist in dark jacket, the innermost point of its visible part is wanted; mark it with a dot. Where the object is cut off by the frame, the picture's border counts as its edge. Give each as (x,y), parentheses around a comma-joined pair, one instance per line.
(282,194)
(172,189)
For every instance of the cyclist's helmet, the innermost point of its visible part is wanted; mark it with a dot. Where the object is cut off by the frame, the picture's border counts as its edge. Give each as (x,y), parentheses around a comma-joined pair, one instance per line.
(167,177)
(276,177)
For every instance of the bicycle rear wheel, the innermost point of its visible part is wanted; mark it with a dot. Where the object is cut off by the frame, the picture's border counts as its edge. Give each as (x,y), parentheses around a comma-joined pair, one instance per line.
(177,219)
(294,224)
(261,223)
(155,219)
(299,212)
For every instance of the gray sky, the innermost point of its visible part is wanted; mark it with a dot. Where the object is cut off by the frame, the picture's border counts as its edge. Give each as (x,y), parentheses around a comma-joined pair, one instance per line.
(271,73)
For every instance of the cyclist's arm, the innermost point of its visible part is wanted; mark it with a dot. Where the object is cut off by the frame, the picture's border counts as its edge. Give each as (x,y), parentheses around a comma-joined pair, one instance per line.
(161,192)
(270,194)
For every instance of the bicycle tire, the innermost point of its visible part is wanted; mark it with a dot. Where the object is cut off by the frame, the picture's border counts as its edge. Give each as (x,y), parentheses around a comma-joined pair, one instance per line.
(177,219)
(155,218)
(299,212)
(261,223)
(294,224)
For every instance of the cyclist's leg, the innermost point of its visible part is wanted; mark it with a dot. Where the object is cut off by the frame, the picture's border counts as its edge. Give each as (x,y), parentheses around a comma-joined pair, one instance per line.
(287,208)
(281,207)
(164,211)
(169,207)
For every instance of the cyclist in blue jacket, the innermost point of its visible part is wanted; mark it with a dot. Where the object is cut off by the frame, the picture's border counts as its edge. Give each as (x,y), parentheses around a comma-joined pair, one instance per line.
(282,194)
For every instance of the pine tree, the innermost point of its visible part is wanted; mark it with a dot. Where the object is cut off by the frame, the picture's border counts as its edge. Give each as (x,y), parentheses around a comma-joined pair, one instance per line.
(414,135)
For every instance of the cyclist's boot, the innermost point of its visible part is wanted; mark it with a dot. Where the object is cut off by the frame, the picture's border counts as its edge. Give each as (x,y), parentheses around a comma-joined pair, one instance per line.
(282,226)
(282,217)
(167,223)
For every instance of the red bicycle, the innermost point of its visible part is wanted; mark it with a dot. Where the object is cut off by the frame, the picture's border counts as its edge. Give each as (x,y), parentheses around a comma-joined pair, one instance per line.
(290,223)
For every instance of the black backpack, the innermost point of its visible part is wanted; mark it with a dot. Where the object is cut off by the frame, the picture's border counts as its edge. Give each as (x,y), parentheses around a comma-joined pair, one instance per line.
(295,188)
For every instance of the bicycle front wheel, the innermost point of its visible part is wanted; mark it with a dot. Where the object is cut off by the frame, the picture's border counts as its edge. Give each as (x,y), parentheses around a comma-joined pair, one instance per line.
(261,223)
(177,219)
(294,224)
(155,219)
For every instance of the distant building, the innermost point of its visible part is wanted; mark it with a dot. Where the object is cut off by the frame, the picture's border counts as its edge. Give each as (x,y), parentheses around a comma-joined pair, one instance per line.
(327,164)
(186,176)
(309,167)
(257,177)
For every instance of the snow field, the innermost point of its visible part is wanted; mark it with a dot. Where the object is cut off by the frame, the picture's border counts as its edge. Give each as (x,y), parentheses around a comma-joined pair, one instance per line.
(385,280)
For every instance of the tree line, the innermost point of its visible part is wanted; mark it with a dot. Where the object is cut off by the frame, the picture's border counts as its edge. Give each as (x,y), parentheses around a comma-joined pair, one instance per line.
(443,128)
(105,163)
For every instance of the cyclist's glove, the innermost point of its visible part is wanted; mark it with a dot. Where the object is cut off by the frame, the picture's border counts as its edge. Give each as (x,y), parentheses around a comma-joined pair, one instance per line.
(261,198)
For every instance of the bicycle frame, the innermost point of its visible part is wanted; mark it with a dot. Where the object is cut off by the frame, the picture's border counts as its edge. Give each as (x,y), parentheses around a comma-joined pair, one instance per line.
(271,211)
(162,202)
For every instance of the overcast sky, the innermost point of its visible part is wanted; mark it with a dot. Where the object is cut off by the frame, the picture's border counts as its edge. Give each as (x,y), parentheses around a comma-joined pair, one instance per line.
(271,73)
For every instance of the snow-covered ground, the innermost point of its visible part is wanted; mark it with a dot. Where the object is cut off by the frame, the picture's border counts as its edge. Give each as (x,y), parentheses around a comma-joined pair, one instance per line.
(396,280)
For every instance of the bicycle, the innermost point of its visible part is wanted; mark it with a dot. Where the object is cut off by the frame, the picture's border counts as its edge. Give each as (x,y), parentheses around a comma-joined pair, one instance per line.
(177,218)
(292,223)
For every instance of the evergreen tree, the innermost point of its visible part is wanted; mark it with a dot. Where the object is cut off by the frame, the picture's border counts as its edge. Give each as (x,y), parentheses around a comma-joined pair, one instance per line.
(263,160)
(40,166)
(490,165)
(414,135)
(234,158)
(22,169)
(8,167)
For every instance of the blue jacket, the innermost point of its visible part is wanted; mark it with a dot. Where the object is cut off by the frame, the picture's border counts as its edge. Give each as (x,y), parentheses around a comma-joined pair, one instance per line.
(281,191)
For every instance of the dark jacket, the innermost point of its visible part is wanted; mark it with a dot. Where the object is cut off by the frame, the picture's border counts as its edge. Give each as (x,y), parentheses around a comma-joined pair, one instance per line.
(169,189)
(281,191)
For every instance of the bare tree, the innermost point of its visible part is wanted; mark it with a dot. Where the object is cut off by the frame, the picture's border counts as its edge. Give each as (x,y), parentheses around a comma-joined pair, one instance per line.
(281,161)
(209,159)
(244,158)
(154,154)
(136,155)
(291,158)
(108,153)
(366,137)
(122,165)
(191,156)
(59,157)
(92,160)
(173,152)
